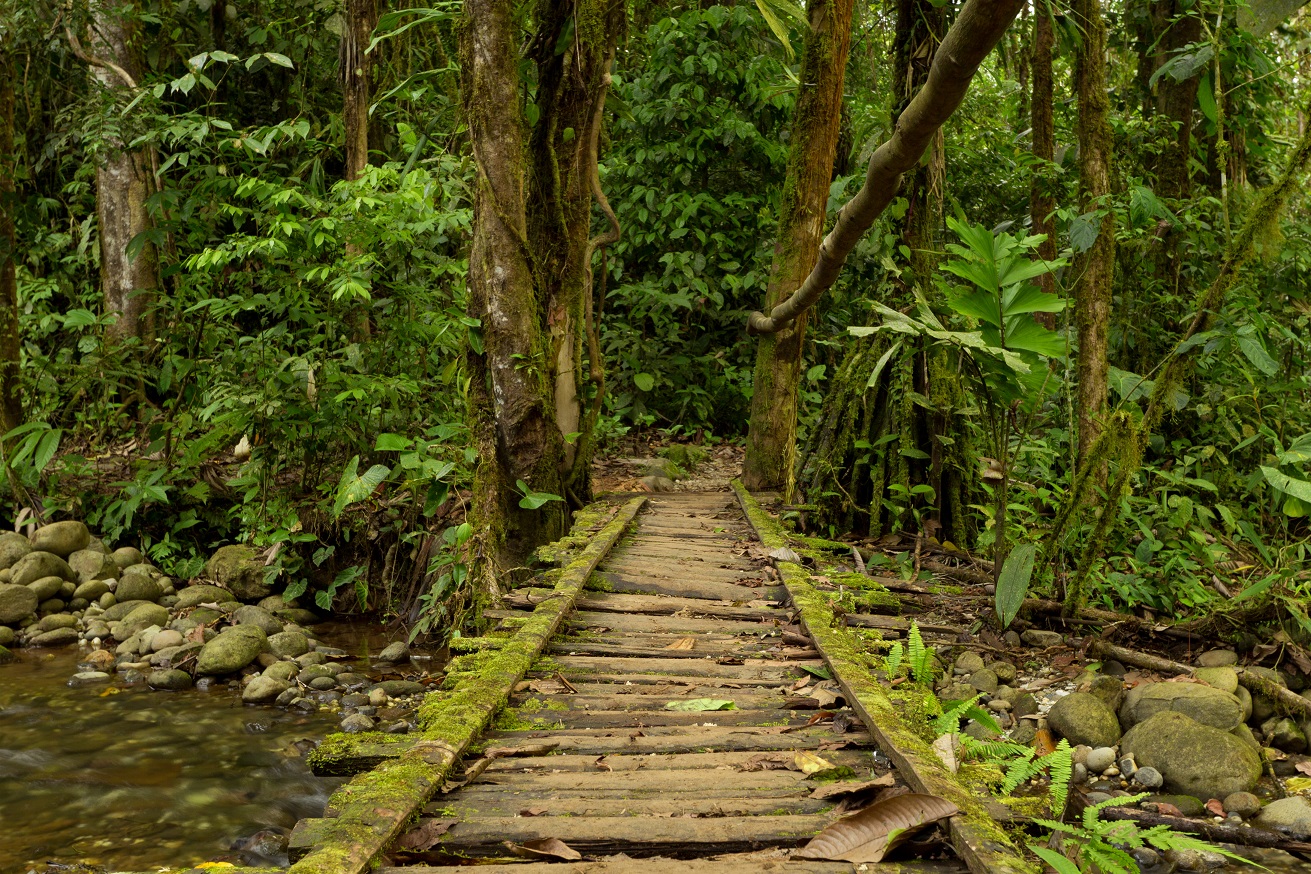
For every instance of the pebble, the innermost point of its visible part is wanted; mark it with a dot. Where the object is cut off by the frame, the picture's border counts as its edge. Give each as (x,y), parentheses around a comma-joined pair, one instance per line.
(1080,773)
(1000,705)
(1217,658)
(1146,857)
(1041,639)
(89,678)
(1127,765)
(1244,804)
(1148,778)
(356,722)
(1100,760)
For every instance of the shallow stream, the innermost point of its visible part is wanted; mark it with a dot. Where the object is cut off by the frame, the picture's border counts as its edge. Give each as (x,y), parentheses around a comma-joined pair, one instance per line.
(125,779)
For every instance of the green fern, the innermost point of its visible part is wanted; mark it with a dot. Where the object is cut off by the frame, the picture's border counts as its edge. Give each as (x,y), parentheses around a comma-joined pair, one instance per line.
(996,751)
(895,656)
(949,721)
(1103,847)
(922,658)
(1060,769)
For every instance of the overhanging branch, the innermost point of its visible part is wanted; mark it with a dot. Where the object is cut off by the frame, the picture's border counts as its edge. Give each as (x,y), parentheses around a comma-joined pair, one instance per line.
(976,31)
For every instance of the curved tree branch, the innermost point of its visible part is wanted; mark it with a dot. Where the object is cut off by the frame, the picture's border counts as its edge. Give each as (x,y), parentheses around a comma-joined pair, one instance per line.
(974,34)
(92,60)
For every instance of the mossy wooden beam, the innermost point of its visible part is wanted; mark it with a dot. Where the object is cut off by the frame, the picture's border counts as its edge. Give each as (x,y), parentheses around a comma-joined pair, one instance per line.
(978,840)
(373,808)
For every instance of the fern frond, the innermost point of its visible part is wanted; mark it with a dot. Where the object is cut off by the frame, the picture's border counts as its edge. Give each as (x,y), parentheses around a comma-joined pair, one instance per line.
(1163,838)
(920,656)
(1018,771)
(983,717)
(1060,767)
(1108,859)
(995,751)
(895,656)
(1092,813)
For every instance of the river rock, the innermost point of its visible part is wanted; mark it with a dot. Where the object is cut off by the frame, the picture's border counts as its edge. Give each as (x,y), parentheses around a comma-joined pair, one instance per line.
(1291,815)
(61,538)
(57,637)
(57,620)
(193,596)
(7,635)
(1200,703)
(399,688)
(1005,671)
(119,609)
(1262,707)
(1099,759)
(289,644)
(263,689)
(89,678)
(298,616)
(98,660)
(1223,678)
(968,662)
(1084,718)
(281,671)
(46,587)
(1194,759)
(356,723)
(236,569)
(169,680)
(1036,637)
(1282,733)
(91,590)
(984,681)
(1109,689)
(141,618)
(1217,658)
(395,653)
(6,657)
(137,585)
(249,614)
(1243,804)
(13,546)
(53,605)
(1148,778)
(16,603)
(176,656)
(165,639)
(90,564)
(126,556)
(36,565)
(232,650)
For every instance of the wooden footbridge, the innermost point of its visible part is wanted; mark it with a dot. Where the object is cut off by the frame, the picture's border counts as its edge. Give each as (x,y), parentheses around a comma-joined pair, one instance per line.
(585,735)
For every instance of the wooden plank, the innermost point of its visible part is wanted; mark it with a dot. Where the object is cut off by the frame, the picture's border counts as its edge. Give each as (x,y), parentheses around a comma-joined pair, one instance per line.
(657,739)
(663,570)
(374,808)
(755,669)
(798,803)
(657,605)
(769,862)
(572,719)
(698,687)
(614,698)
(985,848)
(673,624)
(635,836)
(660,649)
(641,584)
(720,865)
(858,760)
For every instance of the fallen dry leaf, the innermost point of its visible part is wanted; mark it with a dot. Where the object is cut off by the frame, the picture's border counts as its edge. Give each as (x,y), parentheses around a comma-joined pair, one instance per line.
(808,763)
(837,790)
(1304,767)
(426,836)
(1165,808)
(1216,806)
(1044,743)
(544,848)
(532,811)
(767,762)
(683,643)
(867,836)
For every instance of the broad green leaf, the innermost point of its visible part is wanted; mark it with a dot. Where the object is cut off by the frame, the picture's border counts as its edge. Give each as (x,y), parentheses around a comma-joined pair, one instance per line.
(1027,335)
(1282,482)
(1083,231)
(822,672)
(1023,269)
(644,381)
(353,489)
(882,363)
(1254,352)
(980,304)
(1260,587)
(1013,583)
(1259,17)
(701,705)
(1032,299)
(392,443)
(1059,863)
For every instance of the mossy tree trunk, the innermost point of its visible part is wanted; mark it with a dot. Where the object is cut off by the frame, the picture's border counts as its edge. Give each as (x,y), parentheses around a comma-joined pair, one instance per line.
(11,407)
(124,181)
(356,63)
(816,128)
(1042,202)
(1094,268)
(527,270)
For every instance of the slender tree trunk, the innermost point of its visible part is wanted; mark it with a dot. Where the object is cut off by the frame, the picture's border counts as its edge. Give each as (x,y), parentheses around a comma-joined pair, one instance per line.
(1094,268)
(1042,203)
(361,18)
(11,407)
(1176,101)
(816,126)
(123,184)
(528,263)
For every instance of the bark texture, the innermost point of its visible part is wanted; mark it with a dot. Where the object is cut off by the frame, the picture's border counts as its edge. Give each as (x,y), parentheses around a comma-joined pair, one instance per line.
(529,265)
(123,184)
(974,34)
(1094,268)
(816,127)
(11,407)
(361,18)
(1042,203)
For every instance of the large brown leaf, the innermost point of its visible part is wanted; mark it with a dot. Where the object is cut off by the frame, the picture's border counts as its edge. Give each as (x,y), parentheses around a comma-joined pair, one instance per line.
(866,837)
(545,848)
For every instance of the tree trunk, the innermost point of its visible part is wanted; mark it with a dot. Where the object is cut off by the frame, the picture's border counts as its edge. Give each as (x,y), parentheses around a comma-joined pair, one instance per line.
(974,34)
(527,264)
(816,125)
(361,18)
(1094,268)
(11,407)
(123,184)
(1042,203)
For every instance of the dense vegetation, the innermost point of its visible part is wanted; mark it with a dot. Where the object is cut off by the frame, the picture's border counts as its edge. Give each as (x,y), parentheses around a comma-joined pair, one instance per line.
(239,301)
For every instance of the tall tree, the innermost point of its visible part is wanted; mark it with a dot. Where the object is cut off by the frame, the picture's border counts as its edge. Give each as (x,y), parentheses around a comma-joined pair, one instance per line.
(123,177)
(529,265)
(1095,267)
(1042,201)
(361,18)
(771,438)
(11,407)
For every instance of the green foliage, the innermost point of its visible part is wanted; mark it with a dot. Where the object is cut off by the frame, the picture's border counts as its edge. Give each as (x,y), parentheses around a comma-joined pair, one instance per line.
(919,660)
(1022,763)
(1102,847)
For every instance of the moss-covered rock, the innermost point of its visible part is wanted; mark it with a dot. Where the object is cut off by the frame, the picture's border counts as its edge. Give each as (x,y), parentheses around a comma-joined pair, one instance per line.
(1204,704)
(36,565)
(13,546)
(236,569)
(1194,759)
(16,603)
(232,650)
(1084,718)
(61,538)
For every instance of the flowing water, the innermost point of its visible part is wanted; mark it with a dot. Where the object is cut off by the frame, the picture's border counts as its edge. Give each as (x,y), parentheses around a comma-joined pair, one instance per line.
(126,779)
